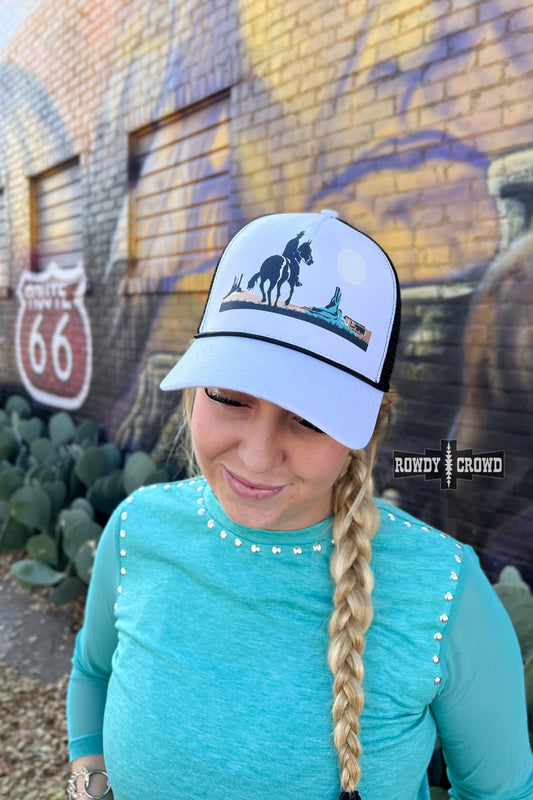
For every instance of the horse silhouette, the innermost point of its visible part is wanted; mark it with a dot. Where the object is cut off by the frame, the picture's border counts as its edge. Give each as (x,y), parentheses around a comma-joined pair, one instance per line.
(281,269)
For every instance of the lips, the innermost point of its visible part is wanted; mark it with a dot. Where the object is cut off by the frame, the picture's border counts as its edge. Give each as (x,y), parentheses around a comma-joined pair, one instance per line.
(250,491)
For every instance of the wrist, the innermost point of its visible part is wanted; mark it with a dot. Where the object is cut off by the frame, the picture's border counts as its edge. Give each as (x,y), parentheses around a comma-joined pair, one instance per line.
(89,783)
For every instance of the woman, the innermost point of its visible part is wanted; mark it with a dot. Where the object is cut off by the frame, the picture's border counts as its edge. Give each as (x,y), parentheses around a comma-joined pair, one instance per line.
(202,667)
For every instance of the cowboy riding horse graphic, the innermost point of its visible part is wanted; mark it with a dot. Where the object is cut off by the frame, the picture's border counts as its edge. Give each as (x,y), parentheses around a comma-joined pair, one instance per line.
(280,269)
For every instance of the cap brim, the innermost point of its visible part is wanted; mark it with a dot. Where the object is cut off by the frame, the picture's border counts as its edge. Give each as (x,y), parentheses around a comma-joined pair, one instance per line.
(338,403)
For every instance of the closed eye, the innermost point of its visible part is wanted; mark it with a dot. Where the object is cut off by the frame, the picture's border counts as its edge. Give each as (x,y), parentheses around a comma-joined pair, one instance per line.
(218,396)
(307,424)
(214,394)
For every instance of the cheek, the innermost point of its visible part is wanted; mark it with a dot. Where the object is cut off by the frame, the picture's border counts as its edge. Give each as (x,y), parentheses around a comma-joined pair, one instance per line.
(325,464)
(210,434)
(203,444)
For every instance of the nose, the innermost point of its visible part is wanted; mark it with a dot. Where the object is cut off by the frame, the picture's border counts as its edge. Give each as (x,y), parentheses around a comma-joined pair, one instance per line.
(262,445)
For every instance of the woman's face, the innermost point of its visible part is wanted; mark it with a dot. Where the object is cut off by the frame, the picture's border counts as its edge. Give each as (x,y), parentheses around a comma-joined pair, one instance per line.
(268,468)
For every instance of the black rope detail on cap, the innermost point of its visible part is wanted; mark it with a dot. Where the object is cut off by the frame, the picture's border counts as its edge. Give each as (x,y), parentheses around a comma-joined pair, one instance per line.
(382,385)
(350,796)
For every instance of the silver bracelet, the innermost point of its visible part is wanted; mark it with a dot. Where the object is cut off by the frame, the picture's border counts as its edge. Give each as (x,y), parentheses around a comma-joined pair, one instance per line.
(73,793)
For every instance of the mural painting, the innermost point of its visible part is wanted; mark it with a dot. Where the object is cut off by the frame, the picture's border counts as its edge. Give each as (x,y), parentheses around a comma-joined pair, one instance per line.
(498,379)
(53,336)
(400,123)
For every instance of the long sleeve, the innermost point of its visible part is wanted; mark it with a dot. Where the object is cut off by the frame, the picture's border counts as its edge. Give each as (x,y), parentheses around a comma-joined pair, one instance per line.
(481,711)
(95,645)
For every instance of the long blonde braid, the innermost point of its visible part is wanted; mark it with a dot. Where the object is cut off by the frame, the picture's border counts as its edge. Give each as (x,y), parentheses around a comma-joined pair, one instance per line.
(356,520)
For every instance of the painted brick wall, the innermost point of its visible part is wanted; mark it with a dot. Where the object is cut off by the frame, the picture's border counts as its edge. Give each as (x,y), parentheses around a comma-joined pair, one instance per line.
(412,119)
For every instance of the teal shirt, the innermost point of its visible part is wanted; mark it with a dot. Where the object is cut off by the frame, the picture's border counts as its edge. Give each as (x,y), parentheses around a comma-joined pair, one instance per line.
(201,669)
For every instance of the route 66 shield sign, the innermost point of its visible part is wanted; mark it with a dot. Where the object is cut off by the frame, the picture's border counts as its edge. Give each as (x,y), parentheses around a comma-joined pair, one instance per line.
(53,336)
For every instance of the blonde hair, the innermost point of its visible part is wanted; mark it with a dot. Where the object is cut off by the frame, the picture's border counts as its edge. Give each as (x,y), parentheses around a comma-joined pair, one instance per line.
(182,451)
(355,522)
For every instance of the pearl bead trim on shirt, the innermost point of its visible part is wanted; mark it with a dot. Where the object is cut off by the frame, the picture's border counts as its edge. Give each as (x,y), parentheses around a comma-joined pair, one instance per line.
(297,550)
(122,535)
(254,548)
(448,596)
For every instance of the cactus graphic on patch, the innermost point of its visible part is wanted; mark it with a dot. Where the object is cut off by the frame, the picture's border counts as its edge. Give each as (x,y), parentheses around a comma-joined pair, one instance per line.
(279,271)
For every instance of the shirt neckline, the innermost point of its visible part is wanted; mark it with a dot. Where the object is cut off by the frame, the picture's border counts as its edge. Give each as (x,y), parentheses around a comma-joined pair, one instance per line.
(321,532)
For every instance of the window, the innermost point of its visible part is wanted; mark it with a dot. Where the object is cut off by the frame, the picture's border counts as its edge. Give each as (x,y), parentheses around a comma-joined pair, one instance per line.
(56,198)
(179,199)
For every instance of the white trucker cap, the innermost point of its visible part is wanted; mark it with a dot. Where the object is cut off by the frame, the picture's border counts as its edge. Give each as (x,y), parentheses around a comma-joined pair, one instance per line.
(303,311)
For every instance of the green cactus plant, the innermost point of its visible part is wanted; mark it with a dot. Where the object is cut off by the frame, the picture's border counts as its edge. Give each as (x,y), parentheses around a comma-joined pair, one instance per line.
(77,527)
(31,506)
(84,505)
(138,467)
(84,559)
(517,599)
(57,492)
(42,548)
(30,429)
(11,479)
(86,433)
(91,465)
(9,444)
(107,492)
(61,428)
(18,405)
(13,535)
(69,589)
(58,486)
(32,572)
(43,451)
